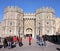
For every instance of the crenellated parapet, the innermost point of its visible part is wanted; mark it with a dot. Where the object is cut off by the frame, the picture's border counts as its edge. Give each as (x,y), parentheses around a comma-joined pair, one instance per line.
(13,9)
(29,13)
(29,16)
(45,9)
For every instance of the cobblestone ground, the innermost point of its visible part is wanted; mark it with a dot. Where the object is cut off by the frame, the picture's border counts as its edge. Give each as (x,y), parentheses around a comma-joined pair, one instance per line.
(34,47)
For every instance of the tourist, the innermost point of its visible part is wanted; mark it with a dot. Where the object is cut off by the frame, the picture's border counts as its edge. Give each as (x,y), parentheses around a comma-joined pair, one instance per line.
(5,44)
(20,41)
(43,40)
(1,43)
(15,40)
(30,38)
(10,42)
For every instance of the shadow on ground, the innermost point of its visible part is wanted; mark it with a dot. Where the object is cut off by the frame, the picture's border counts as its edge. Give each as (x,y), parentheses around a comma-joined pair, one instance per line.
(58,49)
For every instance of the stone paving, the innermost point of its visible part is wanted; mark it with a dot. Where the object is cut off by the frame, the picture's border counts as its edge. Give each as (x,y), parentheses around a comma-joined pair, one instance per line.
(34,47)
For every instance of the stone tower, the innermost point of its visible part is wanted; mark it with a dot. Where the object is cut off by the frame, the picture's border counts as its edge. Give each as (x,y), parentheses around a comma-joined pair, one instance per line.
(13,17)
(45,21)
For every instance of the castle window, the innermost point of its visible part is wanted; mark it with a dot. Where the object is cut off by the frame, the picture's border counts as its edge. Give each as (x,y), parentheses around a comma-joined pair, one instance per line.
(10,23)
(47,16)
(10,30)
(47,31)
(18,23)
(47,23)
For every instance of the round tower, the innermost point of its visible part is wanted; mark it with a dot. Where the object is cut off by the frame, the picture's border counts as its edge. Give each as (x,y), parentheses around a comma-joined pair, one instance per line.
(45,21)
(13,17)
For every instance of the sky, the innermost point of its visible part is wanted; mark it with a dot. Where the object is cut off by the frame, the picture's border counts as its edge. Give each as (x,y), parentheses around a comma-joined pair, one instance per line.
(30,6)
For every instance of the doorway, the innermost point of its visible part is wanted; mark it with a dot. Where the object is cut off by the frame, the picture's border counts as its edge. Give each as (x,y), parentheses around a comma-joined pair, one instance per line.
(29,27)
(29,32)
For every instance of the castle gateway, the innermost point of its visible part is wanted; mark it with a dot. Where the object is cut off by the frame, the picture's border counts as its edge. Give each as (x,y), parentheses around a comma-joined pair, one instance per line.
(17,23)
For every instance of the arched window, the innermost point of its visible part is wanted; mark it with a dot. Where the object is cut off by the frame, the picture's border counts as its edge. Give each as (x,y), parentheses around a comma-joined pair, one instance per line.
(10,23)
(10,30)
(47,23)
(47,31)
(28,29)
(47,16)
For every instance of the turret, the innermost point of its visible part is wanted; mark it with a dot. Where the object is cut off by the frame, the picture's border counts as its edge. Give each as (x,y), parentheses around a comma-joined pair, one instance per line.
(13,9)
(45,9)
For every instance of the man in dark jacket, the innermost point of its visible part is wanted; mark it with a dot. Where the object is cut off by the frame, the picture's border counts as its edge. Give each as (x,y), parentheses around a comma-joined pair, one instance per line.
(5,43)
(10,42)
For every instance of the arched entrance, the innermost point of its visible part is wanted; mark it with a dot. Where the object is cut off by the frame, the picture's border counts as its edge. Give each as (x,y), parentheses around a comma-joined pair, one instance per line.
(29,27)
(29,32)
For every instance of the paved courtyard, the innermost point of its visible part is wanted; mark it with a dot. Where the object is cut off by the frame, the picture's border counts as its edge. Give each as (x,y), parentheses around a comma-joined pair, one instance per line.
(34,47)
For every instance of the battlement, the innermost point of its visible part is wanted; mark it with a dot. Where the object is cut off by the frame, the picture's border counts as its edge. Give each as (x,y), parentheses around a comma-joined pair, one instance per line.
(45,9)
(13,9)
(29,13)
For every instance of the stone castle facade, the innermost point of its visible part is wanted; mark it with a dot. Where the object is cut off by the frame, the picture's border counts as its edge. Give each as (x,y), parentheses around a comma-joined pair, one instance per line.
(16,22)
(57,20)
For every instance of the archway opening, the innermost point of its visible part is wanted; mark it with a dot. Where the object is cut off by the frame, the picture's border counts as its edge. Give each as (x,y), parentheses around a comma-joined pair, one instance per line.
(29,32)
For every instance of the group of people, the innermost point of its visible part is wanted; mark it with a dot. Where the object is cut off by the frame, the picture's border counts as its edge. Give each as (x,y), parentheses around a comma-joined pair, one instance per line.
(41,40)
(11,42)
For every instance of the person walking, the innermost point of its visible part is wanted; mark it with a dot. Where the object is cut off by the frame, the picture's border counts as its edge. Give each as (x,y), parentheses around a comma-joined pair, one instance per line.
(1,43)
(5,43)
(30,38)
(15,40)
(20,42)
(44,40)
(10,42)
